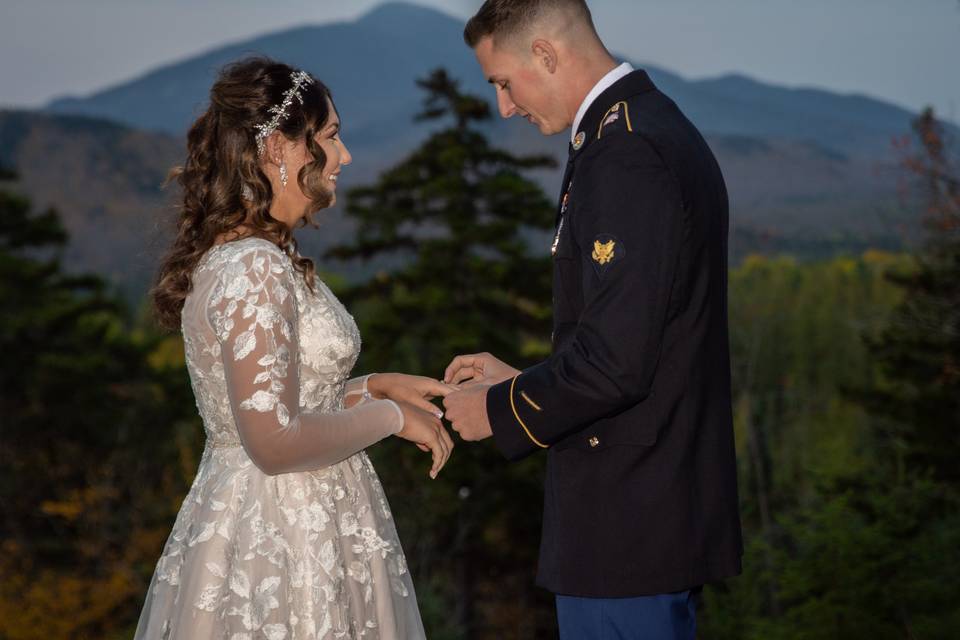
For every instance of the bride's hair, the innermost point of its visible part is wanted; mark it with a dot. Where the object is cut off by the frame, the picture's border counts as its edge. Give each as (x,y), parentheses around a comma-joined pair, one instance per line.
(223,185)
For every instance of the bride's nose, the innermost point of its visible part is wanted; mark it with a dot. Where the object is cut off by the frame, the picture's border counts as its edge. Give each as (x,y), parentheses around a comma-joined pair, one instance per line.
(345,156)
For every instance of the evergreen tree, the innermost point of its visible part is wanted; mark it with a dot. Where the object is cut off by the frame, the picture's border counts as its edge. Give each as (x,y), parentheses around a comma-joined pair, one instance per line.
(919,350)
(457,220)
(95,427)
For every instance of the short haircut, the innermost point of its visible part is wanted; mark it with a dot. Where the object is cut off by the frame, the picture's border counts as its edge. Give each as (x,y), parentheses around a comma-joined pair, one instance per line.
(502,19)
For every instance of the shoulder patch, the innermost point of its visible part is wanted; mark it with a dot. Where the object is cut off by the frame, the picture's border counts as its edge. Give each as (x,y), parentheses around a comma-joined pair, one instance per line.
(606,251)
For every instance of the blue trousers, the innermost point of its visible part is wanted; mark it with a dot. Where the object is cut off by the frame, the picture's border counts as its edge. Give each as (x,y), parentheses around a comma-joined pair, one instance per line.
(670,616)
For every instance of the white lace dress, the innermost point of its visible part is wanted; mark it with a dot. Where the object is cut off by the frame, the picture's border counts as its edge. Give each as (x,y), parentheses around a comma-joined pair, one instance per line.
(286,532)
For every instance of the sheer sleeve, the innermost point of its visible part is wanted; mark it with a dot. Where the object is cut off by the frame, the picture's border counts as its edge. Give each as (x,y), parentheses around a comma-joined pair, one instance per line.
(355,391)
(253,311)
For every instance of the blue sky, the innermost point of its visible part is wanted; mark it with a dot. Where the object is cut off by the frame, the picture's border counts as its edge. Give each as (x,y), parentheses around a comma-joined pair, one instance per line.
(903,51)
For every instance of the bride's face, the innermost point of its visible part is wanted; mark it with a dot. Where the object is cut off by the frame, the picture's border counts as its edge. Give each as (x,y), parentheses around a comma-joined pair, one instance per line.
(336,152)
(291,201)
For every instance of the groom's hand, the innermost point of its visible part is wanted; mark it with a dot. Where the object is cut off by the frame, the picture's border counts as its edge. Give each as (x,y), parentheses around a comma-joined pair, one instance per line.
(467,412)
(478,367)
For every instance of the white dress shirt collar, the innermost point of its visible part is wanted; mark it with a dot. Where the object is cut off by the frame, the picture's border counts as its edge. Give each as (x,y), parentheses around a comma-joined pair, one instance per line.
(605,82)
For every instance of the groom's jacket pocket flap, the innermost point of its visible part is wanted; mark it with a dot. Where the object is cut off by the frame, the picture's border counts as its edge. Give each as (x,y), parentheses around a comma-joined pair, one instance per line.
(636,426)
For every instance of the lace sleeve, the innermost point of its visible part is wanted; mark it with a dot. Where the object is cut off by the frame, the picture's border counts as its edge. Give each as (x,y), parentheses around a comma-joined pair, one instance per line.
(253,311)
(355,391)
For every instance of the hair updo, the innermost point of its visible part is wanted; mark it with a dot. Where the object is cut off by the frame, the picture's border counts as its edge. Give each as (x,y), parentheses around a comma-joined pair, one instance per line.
(223,185)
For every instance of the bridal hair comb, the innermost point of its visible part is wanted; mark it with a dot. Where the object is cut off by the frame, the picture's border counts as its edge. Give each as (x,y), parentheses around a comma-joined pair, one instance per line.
(280,111)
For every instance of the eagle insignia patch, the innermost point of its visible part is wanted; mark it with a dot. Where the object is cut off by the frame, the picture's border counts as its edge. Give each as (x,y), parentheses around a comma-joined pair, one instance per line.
(603,253)
(607,250)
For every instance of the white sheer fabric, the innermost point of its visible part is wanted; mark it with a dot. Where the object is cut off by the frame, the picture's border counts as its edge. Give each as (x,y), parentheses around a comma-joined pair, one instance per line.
(286,532)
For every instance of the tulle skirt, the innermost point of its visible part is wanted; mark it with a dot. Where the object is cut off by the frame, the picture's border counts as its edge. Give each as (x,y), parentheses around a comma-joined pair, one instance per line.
(307,555)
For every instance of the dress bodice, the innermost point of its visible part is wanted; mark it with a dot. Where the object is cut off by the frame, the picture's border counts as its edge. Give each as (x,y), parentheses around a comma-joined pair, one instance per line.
(329,341)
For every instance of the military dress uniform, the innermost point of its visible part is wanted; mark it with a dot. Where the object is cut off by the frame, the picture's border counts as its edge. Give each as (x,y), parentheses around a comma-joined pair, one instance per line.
(634,404)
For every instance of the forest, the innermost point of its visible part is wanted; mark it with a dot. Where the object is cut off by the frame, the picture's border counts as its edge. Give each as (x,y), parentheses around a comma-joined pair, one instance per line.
(846,380)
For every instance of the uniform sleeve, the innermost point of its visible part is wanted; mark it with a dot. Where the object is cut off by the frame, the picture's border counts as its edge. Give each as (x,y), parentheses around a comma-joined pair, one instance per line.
(628,224)
(253,311)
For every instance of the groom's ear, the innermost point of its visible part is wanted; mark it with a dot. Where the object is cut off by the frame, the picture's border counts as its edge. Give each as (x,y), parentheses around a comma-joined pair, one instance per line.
(545,54)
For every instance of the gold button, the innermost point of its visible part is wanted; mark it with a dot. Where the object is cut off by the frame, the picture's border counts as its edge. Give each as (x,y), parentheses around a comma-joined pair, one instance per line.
(594,441)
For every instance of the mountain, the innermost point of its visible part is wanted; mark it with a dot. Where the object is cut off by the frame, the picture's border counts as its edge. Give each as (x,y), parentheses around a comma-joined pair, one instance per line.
(809,172)
(371,63)
(105,179)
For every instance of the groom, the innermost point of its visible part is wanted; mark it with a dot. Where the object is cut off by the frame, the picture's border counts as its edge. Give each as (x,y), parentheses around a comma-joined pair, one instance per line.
(633,406)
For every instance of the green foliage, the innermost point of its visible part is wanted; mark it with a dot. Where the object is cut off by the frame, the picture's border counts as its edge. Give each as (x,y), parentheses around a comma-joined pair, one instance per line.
(841,543)
(845,389)
(456,217)
(87,411)
(863,560)
(848,414)
(919,350)
(795,347)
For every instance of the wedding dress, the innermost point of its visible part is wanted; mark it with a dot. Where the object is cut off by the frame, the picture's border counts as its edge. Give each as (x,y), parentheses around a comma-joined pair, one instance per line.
(286,533)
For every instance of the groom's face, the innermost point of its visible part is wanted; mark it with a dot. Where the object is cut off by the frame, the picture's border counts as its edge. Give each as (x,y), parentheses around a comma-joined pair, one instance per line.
(522,88)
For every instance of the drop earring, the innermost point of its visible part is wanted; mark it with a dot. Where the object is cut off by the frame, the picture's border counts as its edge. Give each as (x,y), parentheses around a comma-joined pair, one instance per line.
(283,174)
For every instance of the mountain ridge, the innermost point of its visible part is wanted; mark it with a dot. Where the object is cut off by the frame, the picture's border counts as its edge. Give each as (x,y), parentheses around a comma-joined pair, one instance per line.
(371,62)
(807,169)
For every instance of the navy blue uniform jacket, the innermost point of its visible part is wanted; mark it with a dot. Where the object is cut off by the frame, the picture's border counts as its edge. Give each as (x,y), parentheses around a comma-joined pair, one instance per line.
(634,404)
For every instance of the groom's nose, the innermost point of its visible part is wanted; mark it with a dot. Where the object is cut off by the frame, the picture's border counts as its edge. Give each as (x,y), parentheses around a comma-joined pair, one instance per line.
(505,104)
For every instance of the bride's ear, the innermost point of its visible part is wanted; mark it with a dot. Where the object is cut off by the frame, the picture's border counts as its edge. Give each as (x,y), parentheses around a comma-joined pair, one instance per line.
(274,149)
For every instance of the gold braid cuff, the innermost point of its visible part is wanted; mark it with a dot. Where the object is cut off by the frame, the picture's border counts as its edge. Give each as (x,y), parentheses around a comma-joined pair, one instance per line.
(516,415)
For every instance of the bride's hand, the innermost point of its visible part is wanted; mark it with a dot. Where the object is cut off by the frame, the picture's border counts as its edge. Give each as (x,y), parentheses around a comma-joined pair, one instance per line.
(415,390)
(425,430)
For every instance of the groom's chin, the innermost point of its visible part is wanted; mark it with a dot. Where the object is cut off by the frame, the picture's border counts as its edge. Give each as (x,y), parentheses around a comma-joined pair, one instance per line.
(549,130)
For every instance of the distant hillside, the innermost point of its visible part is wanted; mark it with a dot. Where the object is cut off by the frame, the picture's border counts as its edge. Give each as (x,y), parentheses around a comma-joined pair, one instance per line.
(809,172)
(398,42)
(106,179)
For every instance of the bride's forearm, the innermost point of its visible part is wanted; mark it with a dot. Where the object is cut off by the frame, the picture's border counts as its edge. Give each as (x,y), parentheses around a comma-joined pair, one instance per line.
(399,387)
(380,384)
(357,390)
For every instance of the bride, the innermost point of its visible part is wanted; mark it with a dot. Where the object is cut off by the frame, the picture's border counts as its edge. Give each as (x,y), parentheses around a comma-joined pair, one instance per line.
(286,532)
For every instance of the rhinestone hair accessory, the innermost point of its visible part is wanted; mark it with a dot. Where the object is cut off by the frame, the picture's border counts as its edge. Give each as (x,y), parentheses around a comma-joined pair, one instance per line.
(280,111)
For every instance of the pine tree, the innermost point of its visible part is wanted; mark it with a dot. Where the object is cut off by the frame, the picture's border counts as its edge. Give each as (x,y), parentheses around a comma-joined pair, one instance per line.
(919,350)
(94,431)
(456,220)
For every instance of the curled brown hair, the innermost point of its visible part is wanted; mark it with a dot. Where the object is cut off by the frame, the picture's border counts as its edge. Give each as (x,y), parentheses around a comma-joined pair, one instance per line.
(222,159)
